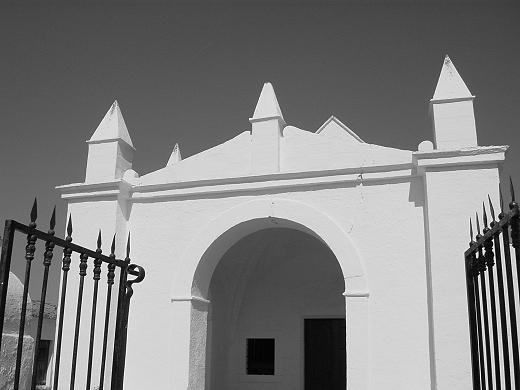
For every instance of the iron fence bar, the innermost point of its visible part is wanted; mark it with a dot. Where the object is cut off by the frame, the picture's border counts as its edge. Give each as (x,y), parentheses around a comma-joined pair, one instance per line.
(120,372)
(479,332)
(5,265)
(29,257)
(470,288)
(117,360)
(82,274)
(512,310)
(110,282)
(502,305)
(97,272)
(486,322)
(65,267)
(515,238)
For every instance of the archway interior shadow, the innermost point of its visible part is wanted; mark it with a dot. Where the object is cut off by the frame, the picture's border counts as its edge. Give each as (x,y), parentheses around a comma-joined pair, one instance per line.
(264,287)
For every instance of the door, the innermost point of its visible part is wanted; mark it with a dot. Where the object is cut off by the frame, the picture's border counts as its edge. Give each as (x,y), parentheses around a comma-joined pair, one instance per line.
(325,354)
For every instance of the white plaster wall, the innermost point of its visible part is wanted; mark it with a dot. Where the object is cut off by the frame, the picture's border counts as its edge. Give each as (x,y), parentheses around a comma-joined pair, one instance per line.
(385,221)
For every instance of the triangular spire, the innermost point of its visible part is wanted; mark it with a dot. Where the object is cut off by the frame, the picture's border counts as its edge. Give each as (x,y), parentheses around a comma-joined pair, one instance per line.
(176,155)
(267,106)
(450,84)
(112,127)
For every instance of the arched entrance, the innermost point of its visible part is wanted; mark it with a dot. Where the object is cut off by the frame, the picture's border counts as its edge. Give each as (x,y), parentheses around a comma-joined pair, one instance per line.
(191,300)
(277,315)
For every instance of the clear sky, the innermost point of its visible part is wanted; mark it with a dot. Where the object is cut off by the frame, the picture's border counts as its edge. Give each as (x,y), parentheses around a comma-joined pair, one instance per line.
(191,72)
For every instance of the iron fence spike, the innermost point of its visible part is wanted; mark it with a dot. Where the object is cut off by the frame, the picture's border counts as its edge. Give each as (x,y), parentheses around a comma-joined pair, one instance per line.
(512,189)
(53,219)
(470,230)
(478,224)
(501,199)
(491,209)
(34,211)
(128,246)
(99,240)
(69,226)
(484,215)
(113,247)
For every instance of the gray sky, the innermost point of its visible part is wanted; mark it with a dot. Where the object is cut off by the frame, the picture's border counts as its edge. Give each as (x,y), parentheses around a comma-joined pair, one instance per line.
(191,73)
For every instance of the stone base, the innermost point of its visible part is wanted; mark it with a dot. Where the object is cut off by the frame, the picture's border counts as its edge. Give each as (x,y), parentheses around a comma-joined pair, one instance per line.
(8,361)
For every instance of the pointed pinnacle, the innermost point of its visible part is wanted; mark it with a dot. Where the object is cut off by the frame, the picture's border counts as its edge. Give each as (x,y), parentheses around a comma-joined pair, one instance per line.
(484,214)
(34,211)
(267,105)
(69,226)
(53,219)
(99,240)
(491,208)
(512,189)
(113,246)
(175,156)
(450,85)
(112,126)
(128,246)
(478,224)
(470,230)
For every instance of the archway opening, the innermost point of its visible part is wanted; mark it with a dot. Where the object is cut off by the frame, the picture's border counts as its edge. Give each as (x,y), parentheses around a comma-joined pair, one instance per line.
(276,303)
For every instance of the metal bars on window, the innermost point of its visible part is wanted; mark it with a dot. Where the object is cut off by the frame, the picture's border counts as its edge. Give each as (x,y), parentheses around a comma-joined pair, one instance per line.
(492,276)
(113,334)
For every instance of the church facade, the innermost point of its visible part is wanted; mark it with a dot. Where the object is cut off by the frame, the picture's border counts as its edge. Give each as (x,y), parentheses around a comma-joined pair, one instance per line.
(291,259)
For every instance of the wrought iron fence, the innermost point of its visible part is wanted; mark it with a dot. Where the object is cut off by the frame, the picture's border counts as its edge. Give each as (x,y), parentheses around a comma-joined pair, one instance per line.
(117,329)
(492,275)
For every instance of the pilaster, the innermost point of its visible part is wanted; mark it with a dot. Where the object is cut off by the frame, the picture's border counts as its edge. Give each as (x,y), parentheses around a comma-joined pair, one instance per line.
(456,183)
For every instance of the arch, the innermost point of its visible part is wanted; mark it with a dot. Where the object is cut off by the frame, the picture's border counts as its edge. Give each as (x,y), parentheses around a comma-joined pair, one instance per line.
(206,249)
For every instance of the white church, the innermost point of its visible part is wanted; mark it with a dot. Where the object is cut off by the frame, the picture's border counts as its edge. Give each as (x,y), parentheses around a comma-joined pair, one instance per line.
(292,259)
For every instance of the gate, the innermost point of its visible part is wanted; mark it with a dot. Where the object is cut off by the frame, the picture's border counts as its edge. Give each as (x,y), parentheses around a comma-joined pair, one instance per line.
(492,275)
(116,269)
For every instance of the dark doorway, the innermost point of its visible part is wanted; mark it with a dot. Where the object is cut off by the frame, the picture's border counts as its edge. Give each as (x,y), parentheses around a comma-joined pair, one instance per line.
(325,354)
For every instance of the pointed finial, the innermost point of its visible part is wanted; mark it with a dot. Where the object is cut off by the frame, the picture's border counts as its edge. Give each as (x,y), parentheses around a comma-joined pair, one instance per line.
(175,156)
(450,85)
(69,229)
(34,213)
(99,242)
(52,223)
(478,225)
(470,230)
(512,189)
(267,106)
(112,127)
(113,246)
(128,247)
(491,209)
(484,215)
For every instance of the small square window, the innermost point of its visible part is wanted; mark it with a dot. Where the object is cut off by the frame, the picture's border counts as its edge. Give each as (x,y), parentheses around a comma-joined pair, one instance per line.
(260,357)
